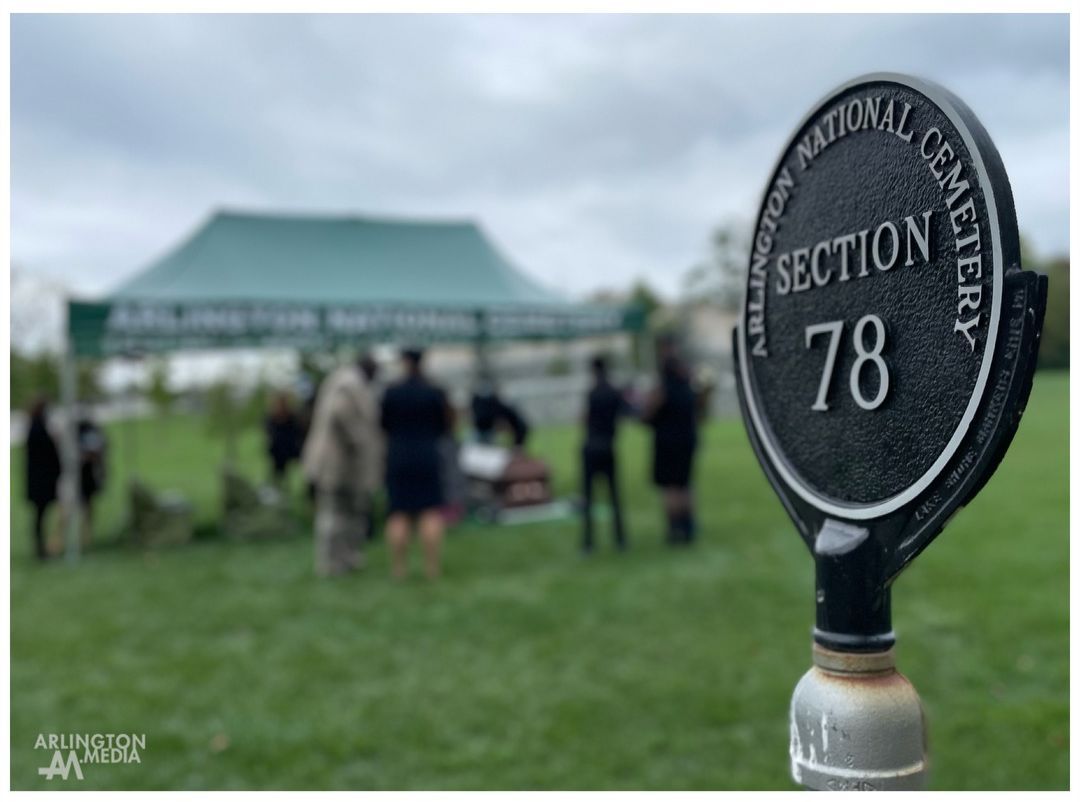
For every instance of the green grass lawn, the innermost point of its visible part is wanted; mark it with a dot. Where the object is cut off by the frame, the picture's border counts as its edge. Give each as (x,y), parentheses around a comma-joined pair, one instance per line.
(528,666)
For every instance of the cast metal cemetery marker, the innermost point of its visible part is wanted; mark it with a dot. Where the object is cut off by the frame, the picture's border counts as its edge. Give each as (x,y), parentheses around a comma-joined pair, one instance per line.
(885,353)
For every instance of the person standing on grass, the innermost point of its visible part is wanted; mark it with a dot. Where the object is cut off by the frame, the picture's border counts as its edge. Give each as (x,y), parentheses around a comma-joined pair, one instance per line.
(93,448)
(604,406)
(342,458)
(42,472)
(284,436)
(671,410)
(415,416)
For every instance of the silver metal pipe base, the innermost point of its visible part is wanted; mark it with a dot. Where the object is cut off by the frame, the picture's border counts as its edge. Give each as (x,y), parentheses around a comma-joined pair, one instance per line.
(857,725)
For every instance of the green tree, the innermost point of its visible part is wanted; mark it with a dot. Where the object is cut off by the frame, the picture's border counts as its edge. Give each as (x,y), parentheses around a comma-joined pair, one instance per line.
(645,299)
(158,391)
(228,411)
(1054,348)
(33,375)
(222,413)
(38,375)
(89,381)
(720,276)
(256,404)
(221,410)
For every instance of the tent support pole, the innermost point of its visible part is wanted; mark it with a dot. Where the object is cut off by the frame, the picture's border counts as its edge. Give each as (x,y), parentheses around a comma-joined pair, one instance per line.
(69,489)
(480,346)
(130,425)
(230,434)
(131,430)
(480,351)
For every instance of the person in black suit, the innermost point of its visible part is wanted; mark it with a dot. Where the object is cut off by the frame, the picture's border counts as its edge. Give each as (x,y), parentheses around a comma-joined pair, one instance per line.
(605,405)
(42,472)
(672,411)
(415,416)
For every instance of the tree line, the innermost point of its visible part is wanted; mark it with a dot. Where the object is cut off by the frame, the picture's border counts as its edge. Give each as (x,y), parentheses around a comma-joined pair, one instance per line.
(720,275)
(718,279)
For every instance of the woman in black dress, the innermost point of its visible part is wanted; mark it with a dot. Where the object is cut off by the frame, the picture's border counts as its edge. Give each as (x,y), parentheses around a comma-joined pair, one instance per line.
(415,415)
(672,413)
(42,473)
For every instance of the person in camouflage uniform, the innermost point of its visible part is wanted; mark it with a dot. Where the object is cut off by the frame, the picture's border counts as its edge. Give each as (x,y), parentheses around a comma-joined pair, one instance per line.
(343,459)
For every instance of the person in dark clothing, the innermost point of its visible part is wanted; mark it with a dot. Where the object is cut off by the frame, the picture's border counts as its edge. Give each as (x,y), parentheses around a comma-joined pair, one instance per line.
(605,406)
(489,410)
(92,452)
(284,437)
(42,473)
(516,423)
(415,416)
(485,407)
(671,410)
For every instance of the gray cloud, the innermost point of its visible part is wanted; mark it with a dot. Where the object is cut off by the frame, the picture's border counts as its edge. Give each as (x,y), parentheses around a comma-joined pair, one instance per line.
(594,149)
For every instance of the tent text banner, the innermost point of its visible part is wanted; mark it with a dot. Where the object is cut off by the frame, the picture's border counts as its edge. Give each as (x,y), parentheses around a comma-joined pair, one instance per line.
(131,327)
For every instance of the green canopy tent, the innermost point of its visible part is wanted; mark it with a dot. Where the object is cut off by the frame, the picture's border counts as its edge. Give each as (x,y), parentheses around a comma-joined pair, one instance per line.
(244,280)
(312,283)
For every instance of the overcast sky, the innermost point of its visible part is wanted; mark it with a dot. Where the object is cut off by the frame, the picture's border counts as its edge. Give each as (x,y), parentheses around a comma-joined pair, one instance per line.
(594,150)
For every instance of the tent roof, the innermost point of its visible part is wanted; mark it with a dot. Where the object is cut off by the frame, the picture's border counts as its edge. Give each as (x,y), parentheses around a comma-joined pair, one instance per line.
(252,280)
(337,260)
